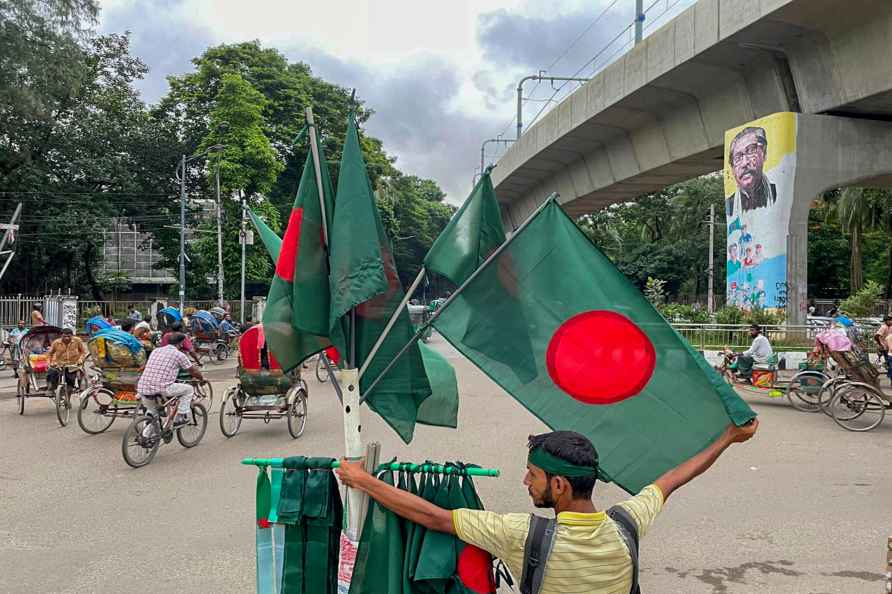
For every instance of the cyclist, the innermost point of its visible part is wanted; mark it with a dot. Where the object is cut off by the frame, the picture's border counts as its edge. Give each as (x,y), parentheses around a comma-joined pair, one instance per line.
(65,351)
(187,342)
(159,378)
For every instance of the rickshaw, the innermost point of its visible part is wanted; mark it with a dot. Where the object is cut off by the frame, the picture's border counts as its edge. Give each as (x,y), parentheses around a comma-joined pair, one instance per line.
(419,315)
(33,359)
(264,390)
(119,364)
(805,386)
(207,339)
(854,397)
(167,317)
(95,325)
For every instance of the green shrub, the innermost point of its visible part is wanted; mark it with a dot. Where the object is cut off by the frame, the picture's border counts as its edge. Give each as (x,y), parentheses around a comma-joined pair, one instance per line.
(765,317)
(861,303)
(730,314)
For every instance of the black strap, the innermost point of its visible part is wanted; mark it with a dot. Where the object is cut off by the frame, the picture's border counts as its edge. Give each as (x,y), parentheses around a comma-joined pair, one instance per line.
(540,540)
(628,530)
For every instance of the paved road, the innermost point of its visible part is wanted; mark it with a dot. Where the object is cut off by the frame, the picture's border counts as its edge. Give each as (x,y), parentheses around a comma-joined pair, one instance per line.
(804,508)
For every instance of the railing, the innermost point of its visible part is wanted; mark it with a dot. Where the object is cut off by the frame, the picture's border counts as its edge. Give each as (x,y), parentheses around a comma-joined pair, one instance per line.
(15,308)
(736,336)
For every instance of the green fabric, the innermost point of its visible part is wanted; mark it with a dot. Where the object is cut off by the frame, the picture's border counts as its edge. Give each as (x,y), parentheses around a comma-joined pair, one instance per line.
(557,466)
(364,277)
(437,559)
(441,407)
(295,320)
(472,234)
(379,557)
(310,505)
(276,493)
(263,538)
(271,241)
(553,273)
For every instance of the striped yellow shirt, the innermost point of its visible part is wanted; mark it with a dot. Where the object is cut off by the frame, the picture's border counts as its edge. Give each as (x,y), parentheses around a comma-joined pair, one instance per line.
(588,556)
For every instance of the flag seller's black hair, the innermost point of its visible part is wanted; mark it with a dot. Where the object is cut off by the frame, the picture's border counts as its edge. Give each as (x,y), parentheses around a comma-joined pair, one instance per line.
(575,448)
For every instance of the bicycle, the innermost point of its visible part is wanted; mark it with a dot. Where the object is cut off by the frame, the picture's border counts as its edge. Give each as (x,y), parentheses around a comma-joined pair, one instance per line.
(145,434)
(321,368)
(64,390)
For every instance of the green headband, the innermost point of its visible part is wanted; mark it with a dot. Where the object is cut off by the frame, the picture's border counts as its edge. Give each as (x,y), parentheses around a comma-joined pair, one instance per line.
(554,465)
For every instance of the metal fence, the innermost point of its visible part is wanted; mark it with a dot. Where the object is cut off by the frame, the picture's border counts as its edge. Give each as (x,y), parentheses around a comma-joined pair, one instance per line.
(736,336)
(15,308)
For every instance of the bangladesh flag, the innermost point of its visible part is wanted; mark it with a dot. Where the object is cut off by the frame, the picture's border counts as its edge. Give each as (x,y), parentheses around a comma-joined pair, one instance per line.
(604,362)
(295,320)
(471,236)
(271,241)
(364,277)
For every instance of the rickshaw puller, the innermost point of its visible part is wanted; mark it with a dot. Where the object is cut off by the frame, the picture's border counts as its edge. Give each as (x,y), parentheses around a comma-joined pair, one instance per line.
(64,351)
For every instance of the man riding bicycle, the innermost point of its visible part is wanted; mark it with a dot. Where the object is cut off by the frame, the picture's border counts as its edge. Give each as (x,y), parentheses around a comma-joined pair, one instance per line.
(66,351)
(159,378)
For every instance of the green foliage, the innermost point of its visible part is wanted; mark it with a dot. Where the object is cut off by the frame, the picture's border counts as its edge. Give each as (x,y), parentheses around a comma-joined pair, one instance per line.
(655,291)
(765,317)
(730,314)
(413,215)
(664,235)
(678,312)
(861,303)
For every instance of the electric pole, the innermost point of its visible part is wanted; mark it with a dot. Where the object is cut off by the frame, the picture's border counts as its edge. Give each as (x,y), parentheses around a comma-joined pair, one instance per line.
(244,237)
(182,235)
(219,240)
(540,77)
(639,21)
(710,297)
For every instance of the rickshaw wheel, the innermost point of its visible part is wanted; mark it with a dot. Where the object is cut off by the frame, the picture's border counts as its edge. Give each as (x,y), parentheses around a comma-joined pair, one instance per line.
(62,399)
(230,419)
(804,391)
(220,354)
(297,413)
(89,417)
(22,392)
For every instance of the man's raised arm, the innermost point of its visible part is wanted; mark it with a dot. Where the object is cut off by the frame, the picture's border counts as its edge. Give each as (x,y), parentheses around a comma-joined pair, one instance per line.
(698,464)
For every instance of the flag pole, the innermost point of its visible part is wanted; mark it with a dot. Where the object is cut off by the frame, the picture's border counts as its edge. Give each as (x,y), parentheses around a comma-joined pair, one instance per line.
(392,321)
(346,384)
(458,291)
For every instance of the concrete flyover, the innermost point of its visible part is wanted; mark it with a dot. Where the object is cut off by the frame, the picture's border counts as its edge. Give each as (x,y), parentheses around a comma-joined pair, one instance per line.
(658,114)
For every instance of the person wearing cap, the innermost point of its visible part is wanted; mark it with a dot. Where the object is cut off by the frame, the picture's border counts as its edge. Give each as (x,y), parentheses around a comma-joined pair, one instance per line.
(67,350)
(589,554)
(747,155)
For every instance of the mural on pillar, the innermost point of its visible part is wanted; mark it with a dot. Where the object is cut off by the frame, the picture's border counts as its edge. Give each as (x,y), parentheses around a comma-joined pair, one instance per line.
(760,167)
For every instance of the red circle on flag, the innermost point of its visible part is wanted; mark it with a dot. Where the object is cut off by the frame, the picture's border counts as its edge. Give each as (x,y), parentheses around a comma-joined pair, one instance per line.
(600,357)
(475,570)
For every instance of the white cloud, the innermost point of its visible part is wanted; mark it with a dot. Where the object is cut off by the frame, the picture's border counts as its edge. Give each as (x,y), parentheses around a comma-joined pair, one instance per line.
(440,75)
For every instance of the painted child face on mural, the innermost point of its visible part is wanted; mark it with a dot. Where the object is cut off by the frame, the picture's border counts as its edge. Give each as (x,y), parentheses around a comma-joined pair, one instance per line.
(732,252)
(747,161)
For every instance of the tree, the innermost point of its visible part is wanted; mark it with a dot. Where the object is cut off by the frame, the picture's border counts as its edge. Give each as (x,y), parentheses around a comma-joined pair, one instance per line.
(100,160)
(248,167)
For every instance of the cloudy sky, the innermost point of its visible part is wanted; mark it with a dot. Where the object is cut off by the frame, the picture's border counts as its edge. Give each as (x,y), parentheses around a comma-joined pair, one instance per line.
(441,76)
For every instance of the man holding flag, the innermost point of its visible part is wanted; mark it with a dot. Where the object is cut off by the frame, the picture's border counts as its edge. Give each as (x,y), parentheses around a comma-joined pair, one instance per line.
(588,554)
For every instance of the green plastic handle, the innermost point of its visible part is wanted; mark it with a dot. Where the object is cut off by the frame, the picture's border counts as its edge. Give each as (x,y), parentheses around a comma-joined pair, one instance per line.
(438,468)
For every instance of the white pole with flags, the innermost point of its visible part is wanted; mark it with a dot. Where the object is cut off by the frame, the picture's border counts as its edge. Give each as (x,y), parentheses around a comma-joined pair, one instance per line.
(346,383)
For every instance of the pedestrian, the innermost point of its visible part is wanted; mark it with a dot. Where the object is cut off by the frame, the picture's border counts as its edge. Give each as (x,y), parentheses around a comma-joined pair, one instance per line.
(589,552)
(882,332)
(134,314)
(37,316)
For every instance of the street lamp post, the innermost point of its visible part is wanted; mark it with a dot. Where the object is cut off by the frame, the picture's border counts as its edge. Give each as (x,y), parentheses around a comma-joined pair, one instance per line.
(219,241)
(181,175)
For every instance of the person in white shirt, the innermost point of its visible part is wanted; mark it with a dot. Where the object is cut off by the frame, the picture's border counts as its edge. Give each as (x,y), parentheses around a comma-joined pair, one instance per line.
(759,352)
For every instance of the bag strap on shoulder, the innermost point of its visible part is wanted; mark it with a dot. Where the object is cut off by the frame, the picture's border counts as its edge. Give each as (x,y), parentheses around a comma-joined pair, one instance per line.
(628,530)
(540,540)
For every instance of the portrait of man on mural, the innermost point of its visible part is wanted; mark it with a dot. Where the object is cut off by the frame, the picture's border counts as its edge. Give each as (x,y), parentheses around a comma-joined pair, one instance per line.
(747,158)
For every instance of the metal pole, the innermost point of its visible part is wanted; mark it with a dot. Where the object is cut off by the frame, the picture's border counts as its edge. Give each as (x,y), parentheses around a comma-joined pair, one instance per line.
(244,236)
(483,150)
(458,291)
(392,321)
(539,76)
(710,298)
(219,240)
(9,230)
(183,234)
(639,21)
(314,148)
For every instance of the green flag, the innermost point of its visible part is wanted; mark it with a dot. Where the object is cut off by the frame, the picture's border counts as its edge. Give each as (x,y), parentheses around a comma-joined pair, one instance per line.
(604,362)
(363,277)
(271,241)
(295,320)
(473,233)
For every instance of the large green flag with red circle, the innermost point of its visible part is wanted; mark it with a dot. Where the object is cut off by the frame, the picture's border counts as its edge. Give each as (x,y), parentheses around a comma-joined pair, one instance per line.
(604,362)
(295,321)
(365,292)
(271,241)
